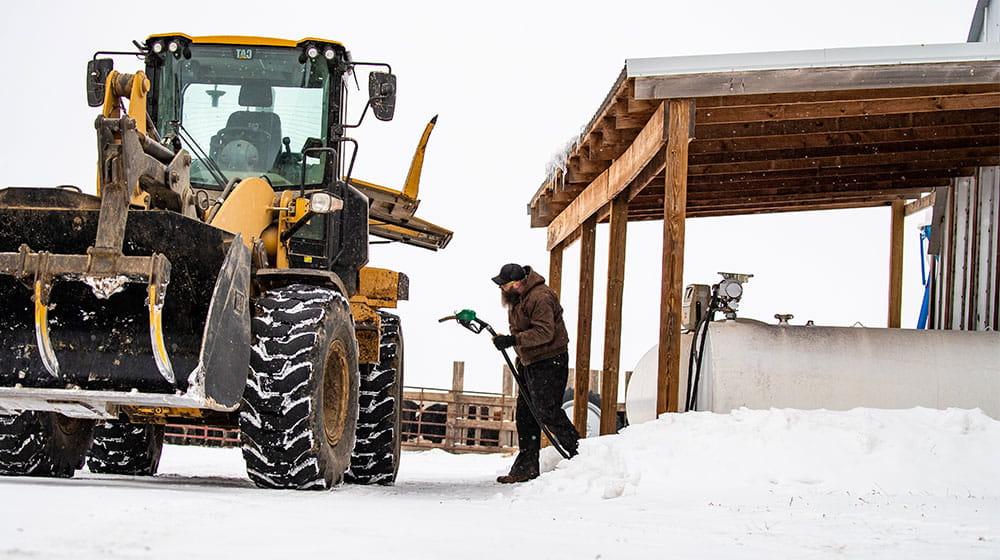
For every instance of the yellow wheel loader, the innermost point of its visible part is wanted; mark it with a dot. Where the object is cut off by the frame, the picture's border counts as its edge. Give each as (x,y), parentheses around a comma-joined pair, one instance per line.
(217,276)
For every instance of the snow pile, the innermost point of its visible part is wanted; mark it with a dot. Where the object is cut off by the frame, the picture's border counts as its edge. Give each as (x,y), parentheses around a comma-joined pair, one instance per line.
(704,456)
(907,485)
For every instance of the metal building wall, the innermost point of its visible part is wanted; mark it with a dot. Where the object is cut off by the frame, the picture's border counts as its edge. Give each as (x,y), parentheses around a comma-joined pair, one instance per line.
(985,22)
(965,293)
(966,266)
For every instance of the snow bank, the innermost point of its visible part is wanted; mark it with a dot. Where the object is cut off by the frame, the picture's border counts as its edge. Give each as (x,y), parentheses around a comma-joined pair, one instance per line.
(703,456)
(753,485)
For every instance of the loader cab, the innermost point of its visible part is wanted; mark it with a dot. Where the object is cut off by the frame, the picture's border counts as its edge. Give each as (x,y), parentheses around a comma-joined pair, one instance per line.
(249,109)
(258,107)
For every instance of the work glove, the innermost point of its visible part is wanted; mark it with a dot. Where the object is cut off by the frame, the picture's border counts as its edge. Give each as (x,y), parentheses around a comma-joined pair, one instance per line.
(504,341)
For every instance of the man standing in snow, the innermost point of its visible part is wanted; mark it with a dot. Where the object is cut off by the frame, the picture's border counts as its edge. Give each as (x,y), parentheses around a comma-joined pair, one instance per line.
(538,335)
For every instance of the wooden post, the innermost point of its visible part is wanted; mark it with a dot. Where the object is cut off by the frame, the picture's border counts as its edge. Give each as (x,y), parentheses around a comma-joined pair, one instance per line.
(555,269)
(613,314)
(680,122)
(508,382)
(896,264)
(458,377)
(583,324)
(453,434)
(508,439)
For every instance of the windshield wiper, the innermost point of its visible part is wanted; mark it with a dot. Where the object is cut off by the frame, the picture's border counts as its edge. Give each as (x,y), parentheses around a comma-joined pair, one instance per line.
(210,164)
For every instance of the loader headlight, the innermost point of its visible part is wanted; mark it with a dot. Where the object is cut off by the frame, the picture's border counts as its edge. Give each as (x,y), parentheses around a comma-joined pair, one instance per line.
(157,47)
(329,54)
(312,52)
(324,203)
(173,47)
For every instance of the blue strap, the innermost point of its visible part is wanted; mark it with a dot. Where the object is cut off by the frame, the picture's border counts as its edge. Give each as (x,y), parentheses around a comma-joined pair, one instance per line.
(925,235)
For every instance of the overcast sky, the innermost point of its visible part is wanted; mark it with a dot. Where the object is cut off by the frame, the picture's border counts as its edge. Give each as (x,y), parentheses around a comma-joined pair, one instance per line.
(512,82)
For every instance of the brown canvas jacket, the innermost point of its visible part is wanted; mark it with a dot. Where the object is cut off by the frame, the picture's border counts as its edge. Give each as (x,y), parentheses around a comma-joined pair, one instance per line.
(537,321)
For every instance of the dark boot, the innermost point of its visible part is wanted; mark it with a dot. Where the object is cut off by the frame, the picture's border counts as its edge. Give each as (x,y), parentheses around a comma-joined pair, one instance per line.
(515,478)
(525,468)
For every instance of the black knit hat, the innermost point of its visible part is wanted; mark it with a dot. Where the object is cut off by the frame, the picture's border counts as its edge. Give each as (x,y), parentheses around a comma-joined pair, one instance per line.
(509,273)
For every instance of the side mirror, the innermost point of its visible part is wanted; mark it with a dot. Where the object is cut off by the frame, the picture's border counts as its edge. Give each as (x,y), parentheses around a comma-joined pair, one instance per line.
(312,143)
(98,70)
(382,94)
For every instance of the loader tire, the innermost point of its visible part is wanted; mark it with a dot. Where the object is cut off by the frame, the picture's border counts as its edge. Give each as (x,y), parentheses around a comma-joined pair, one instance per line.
(300,407)
(121,447)
(43,444)
(379,434)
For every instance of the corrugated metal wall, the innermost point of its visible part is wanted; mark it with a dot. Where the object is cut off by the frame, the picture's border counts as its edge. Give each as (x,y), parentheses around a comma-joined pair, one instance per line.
(965,293)
(965,275)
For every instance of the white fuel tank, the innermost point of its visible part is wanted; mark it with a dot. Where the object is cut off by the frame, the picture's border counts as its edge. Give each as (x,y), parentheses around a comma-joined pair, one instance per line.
(756,365)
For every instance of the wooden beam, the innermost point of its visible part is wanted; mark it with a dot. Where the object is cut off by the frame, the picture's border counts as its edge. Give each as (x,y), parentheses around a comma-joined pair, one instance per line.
(923,90)
(831,109)
(896,264)
(918,205)
(863,160)
(824,203)
(584,324)
(607,186)
(805,199)
(613,314)
(833,139)
(723,198)
(918,169)
(816,207)
(678,131)
(555,269)
(752,82)
(833,184)
(989,139)
(845,124)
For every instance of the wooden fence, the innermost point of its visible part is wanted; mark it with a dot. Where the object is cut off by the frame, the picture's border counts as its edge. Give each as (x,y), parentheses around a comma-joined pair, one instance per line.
(460,421)
(455,420)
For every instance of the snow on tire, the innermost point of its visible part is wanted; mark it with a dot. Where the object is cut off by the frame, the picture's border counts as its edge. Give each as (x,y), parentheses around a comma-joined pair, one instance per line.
(121,447)
(300,407)
(43,444)
(379,435)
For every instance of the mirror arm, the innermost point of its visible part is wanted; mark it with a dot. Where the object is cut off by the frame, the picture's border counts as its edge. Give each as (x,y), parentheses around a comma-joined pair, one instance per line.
(377,64)
(121,53)
(360,120)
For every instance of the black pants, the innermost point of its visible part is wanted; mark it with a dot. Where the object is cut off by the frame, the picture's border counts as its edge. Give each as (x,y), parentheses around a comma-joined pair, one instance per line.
(546,381)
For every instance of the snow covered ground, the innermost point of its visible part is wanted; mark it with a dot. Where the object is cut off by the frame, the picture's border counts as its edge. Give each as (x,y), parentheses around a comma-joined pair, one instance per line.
(751,484)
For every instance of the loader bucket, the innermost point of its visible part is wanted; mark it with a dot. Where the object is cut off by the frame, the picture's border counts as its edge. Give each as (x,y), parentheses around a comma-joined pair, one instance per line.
(106,344)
